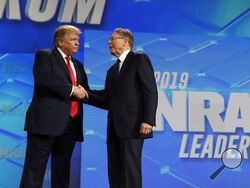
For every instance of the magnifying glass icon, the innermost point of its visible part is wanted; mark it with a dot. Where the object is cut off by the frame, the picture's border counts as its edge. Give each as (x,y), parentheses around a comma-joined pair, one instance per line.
(230,158)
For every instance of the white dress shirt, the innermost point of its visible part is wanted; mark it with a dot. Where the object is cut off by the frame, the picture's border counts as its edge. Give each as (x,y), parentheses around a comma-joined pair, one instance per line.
(122,58)
(71,64)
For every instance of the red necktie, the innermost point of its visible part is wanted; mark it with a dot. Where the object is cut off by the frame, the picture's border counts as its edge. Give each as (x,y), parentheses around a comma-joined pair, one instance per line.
(73,110)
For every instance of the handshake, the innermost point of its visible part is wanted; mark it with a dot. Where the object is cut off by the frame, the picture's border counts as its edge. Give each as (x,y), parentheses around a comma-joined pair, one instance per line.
(79,93)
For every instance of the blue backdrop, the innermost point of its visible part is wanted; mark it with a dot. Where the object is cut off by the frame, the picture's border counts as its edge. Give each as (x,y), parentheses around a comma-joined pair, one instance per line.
(199,64)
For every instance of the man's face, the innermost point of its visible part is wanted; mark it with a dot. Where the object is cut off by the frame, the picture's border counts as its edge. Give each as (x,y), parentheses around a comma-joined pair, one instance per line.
(116,44)
(69,44)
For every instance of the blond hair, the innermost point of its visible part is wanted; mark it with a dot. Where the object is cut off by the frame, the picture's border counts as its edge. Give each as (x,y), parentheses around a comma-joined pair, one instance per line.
(64,30)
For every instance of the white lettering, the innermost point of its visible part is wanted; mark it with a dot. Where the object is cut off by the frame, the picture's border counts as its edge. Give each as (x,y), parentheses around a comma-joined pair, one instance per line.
(195,146)
(208,147)
(175,115)
(238,112)
(244,144)
(82,9)
(12,9)
(38,14)
(205,104)
(202,146)
(220,146)
(182,153)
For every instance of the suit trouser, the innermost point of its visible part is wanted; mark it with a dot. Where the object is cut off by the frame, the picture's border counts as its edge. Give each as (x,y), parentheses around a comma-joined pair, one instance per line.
(39,147)
(124,162)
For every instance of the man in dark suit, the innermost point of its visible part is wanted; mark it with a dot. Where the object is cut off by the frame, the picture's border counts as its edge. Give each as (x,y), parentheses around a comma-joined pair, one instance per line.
(130,95)
(54,118)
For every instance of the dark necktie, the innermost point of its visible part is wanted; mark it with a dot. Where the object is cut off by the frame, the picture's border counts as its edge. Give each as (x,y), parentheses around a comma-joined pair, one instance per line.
(73,110)
(116,71)
(118,66)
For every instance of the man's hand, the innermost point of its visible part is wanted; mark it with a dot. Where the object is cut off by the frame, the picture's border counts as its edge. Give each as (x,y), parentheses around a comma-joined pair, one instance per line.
(79,92)
(145,128)
(83,91)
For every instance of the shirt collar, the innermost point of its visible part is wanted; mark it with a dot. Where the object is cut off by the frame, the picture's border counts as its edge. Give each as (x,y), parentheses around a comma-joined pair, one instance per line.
(124,55)
(62,53)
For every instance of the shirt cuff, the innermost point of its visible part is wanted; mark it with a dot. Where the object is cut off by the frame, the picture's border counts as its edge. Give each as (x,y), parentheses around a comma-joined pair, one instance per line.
(71,91)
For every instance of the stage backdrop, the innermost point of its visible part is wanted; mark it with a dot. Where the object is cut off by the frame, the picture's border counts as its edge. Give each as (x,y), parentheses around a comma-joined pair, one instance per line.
(203,108)
(200,53)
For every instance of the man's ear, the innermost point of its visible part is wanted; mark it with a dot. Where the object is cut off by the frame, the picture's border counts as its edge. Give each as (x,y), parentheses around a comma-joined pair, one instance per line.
(60,42)
(127,41)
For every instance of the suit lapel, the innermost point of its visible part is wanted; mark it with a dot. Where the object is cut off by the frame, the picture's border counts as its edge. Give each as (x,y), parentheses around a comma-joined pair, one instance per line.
(125,64)
(62,63)
(78,75)
(115,78)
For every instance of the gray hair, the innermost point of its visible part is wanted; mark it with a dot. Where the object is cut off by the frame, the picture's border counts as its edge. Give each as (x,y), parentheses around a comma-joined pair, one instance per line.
(126,33)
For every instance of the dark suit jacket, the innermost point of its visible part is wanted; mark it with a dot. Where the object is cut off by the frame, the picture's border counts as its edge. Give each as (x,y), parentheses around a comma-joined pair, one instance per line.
(131,99)
(49,110)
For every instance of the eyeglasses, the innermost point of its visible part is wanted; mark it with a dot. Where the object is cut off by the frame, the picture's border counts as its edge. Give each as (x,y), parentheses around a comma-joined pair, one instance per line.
(113,38)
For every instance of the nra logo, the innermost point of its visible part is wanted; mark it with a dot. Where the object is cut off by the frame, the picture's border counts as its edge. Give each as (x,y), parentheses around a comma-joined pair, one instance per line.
(78,11)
